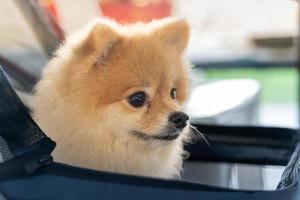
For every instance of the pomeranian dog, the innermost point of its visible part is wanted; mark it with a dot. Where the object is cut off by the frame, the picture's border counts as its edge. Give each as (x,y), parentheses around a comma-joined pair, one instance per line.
(112,98)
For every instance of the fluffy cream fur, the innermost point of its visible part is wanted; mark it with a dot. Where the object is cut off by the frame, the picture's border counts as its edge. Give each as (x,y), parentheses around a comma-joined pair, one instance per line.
(82,99)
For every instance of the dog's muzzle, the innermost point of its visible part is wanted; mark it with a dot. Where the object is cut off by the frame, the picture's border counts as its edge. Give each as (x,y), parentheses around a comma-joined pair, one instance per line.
(176,123)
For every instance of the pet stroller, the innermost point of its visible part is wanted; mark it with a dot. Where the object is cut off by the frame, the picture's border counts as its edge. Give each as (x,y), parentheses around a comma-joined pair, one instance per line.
(27,170)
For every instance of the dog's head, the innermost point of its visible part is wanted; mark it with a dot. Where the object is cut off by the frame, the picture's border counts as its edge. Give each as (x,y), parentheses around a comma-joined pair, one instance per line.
(131,80)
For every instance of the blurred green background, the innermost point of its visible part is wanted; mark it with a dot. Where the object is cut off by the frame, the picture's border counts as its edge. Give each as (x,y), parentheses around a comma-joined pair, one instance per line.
(279,85)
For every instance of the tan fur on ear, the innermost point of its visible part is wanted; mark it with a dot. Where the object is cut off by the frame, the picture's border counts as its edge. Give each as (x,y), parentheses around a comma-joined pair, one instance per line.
(175,33)
(100,42)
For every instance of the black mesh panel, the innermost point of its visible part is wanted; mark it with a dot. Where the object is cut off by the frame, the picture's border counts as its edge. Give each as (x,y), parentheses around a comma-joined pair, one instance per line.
(17,130)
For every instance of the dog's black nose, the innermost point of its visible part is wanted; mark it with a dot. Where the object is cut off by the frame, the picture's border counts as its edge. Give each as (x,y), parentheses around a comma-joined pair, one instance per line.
(179,119)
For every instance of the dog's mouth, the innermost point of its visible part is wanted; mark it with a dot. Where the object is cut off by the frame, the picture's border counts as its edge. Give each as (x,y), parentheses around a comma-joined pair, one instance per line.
(147,137)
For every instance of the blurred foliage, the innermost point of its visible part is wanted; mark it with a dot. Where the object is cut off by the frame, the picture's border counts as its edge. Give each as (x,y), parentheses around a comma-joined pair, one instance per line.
(279,85)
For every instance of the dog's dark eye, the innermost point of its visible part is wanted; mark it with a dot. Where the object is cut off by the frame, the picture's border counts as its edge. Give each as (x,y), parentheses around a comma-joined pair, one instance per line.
(173,93)
(137,99)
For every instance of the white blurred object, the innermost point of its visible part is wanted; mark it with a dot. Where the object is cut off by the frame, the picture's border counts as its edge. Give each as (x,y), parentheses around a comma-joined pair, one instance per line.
(74,14)
(194,11)
(234,175)
(279,114)
(230,102)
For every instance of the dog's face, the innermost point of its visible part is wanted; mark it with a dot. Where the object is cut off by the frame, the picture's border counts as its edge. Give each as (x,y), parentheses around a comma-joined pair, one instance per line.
(132,83)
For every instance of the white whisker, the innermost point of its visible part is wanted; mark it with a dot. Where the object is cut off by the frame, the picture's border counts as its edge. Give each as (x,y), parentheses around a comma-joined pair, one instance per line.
(198,133)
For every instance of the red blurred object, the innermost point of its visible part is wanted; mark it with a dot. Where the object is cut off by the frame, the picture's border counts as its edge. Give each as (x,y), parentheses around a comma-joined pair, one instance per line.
(126,11)
(50,9)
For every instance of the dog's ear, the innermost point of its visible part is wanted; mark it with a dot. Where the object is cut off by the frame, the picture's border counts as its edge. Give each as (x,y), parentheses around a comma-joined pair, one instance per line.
(175,33)
(100,42)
